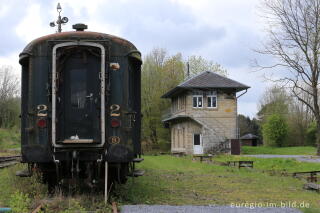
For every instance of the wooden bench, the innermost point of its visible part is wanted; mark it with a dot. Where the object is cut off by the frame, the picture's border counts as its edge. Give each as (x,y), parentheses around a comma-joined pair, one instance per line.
(241,163)
(312,175)
(178,154)
(203,157)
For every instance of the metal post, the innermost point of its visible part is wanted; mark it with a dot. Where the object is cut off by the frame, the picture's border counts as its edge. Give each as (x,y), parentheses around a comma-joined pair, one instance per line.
(188,70)
(106,183)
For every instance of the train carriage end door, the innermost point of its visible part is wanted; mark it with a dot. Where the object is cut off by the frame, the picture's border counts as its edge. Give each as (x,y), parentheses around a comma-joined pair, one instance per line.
(78,95)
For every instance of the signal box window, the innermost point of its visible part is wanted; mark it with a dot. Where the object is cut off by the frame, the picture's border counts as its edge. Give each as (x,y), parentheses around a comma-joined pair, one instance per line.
(196,139)
(197,101)
(212,101)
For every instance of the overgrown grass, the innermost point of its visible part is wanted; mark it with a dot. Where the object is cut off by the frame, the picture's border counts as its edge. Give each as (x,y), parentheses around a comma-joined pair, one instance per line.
(23,195)
(180,181)
(298,150)
(9,139)
(18,193)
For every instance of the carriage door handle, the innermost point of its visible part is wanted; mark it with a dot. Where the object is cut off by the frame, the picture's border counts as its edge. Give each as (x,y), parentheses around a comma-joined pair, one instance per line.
(132,118)
(89,96)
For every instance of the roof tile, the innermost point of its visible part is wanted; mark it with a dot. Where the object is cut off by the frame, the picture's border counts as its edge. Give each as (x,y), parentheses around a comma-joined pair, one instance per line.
(207,79)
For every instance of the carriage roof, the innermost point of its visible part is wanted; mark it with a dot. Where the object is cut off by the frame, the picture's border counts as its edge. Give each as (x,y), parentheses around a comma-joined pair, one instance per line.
(76,35)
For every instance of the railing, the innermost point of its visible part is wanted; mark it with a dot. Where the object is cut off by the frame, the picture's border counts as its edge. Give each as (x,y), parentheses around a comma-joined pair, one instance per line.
(166,114)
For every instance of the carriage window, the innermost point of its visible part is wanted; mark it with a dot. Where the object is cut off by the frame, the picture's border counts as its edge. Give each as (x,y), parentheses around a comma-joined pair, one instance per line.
(197,101)
(78,88)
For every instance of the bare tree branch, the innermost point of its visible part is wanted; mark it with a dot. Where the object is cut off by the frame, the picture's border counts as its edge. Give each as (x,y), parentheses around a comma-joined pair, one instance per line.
(294,40)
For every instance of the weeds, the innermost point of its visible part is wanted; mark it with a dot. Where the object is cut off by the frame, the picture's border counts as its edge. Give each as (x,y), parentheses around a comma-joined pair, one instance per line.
(9,139)
(20,202)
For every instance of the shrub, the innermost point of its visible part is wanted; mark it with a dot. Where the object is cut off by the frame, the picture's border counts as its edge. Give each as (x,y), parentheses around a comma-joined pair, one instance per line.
(311,134)
(20,202)
(275,130)
(74,206)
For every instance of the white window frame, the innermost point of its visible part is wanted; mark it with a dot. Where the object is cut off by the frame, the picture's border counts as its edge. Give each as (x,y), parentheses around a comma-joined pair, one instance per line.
(54,89)
(211,97)
(197,96)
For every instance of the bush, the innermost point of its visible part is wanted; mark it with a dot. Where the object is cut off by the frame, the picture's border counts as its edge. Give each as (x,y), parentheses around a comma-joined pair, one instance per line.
(164,146)
(275,131)
(311,134)
(20,202)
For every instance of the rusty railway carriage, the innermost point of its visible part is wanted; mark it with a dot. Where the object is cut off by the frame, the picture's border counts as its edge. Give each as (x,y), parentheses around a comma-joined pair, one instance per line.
(81,106)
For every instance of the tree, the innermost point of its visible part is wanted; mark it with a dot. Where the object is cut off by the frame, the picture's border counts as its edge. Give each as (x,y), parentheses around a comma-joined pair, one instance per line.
(247,125)
(299,120)
(9,100)
(274,100)
(198,64)
(298,117)
(294,41)
(275,130)
(311,134)
(160,73)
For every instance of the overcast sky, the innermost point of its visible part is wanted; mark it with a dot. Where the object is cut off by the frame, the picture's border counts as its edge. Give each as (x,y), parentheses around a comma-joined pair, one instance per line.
(225,32)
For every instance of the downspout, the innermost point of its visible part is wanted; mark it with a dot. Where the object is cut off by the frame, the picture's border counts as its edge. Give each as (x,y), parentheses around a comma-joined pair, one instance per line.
(237,123)
(242,93)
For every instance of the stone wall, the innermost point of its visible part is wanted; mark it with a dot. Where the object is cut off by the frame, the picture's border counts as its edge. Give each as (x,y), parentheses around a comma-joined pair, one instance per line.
(216,125)
(182,135)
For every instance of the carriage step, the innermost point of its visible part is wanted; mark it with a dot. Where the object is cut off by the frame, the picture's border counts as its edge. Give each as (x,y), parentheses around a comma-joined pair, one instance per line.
(23,173)
(137,160)
(137,173)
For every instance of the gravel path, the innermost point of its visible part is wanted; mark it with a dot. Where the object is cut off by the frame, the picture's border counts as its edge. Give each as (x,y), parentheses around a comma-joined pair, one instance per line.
(302,158)
(200,209)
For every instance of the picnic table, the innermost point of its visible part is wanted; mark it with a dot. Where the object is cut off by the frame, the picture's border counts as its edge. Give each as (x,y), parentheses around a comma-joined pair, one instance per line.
(178,154)
(241,163)
(203,157)
(312,175)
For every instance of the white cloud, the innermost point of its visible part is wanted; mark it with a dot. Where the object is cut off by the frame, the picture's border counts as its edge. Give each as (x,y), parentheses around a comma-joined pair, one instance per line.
(247,108)
(222,31)
(11,60)
(4,10)
(32,25)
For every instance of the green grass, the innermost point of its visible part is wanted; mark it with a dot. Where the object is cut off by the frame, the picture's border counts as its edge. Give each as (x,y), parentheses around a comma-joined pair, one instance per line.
(174,181)
(299,150)
(180,181)
(9,139)
(272,164)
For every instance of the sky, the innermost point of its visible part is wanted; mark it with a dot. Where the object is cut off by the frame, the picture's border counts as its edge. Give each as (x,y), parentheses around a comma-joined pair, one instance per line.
(226,32)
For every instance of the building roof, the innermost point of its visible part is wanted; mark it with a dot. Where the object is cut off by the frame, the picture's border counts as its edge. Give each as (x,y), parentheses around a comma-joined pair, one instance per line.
(206,80)
(175,118)
(249,136)
(179,117)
